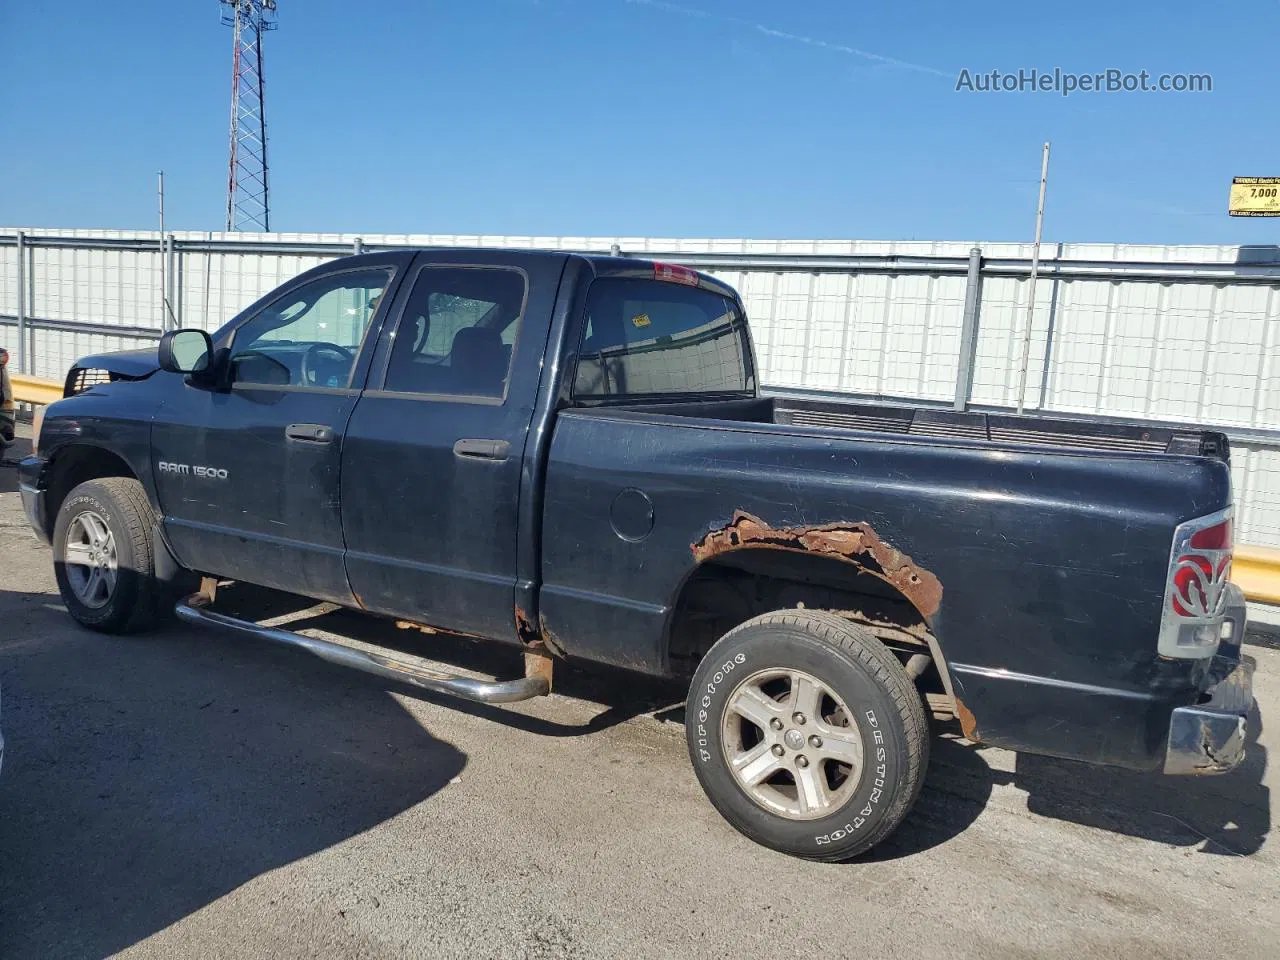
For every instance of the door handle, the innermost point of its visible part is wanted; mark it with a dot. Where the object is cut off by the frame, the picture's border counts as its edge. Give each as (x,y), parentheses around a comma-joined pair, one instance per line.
(482,449)
(310,432)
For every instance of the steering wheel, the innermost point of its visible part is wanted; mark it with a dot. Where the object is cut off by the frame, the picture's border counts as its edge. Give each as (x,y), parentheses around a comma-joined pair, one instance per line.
(311,362)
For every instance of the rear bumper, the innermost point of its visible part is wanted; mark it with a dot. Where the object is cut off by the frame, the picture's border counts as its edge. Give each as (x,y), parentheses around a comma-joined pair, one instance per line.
(1209,738)
(1189,721)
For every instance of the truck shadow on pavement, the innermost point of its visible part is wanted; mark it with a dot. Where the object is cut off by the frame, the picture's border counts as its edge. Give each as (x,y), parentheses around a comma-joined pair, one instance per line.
(622,694)
(146,777)
(1226,815)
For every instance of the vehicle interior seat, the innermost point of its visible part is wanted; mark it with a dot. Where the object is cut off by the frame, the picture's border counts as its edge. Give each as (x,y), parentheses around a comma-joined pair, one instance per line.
(477,362)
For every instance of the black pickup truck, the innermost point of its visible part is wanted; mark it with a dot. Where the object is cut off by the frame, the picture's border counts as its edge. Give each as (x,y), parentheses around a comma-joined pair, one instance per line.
(571,454)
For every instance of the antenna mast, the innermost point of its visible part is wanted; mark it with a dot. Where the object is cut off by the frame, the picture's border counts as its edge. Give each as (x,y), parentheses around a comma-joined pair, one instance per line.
(247,206)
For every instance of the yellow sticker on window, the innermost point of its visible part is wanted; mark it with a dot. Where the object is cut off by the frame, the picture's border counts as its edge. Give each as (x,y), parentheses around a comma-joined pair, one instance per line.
(641,320)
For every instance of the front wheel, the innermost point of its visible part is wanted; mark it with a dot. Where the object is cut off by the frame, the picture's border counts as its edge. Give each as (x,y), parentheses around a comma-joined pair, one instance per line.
(807,734)
(104,556)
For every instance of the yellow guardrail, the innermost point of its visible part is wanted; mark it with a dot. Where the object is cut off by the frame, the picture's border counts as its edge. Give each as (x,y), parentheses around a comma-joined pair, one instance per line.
(1256,570)
(34,390)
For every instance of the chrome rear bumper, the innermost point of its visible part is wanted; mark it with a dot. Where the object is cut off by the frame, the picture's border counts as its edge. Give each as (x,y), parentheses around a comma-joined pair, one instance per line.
(1209,738)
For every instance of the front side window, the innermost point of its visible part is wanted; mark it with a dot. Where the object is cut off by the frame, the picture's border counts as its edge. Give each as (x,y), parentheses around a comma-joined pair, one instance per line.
(457,332)
(650,337)
(309,337)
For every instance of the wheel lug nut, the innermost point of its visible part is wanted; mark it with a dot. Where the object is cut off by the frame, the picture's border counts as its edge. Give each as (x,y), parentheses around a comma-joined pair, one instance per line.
(775,723)
(802,761)
(798,718)
(777,750)
(815,741)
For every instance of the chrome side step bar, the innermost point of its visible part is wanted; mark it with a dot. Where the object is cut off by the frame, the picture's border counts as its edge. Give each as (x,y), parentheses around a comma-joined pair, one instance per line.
(536,682)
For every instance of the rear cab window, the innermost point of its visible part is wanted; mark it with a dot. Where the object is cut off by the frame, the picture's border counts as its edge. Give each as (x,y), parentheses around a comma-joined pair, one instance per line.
(652,339)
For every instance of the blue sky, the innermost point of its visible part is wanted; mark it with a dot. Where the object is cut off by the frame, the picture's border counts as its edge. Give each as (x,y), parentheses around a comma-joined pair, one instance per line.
(704,118)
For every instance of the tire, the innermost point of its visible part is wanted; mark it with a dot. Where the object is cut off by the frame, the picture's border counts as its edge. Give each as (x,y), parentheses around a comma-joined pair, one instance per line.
(848,674)
(129,601)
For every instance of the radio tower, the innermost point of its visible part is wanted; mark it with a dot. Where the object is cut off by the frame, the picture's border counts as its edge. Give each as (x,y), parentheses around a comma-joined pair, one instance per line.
(247,206)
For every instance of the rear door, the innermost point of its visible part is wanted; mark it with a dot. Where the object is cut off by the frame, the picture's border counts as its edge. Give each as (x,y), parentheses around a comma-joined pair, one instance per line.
(434,453)
(247,474)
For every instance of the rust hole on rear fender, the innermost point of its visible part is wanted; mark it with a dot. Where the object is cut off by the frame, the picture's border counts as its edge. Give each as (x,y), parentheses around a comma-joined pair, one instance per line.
(853,542)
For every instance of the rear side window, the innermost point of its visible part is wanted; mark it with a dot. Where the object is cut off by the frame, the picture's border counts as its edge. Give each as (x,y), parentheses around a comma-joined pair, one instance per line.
(653,338)
(457,332)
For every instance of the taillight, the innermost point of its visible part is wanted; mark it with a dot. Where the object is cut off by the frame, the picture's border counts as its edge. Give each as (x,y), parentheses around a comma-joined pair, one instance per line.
(1217,537)
(1197,588)
(673,273)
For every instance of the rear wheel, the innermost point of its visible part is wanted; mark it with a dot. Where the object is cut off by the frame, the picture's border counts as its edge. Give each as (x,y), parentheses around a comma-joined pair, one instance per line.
(807,734)
(104,557)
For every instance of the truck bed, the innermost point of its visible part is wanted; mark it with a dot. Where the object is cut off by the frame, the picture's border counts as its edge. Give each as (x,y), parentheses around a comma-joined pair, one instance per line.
(1004,429)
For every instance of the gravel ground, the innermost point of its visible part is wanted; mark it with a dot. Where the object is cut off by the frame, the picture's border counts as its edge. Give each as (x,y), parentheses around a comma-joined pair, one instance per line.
(193,794)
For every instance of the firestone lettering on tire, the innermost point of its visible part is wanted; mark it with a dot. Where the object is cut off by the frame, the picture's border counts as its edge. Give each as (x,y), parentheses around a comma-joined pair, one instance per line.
(877,791)
(705,703)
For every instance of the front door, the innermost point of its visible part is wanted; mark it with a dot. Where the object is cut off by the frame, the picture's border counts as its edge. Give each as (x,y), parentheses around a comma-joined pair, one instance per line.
(247,474)
(432,464)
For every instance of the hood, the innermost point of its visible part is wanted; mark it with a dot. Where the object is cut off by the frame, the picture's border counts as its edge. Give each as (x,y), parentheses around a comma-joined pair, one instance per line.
(129,363)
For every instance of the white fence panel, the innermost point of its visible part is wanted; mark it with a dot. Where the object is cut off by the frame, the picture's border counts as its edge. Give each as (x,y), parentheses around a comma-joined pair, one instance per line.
(1193,349)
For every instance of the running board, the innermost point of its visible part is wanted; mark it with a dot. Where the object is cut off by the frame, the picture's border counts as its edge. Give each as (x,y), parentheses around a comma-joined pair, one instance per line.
(536,682)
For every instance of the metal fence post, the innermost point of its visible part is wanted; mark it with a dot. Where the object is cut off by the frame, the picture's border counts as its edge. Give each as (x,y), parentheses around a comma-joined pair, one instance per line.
(169,320)
(179,266)
(22,302)
(969,330)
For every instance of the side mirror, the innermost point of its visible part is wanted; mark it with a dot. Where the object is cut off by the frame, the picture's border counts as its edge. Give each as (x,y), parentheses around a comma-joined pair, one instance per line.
(185,351)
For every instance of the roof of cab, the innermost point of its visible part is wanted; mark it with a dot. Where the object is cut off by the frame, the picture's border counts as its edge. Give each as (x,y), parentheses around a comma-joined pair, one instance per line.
(643,268)
(602,264)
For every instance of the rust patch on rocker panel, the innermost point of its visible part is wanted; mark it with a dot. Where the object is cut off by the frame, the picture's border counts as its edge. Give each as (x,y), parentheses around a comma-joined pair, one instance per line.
(526,630)
(411,625)
(548,637)
(968,722)
(431,630)
(853,542)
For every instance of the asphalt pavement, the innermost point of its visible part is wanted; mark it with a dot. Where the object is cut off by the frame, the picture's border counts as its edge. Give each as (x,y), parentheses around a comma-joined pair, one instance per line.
(193,794)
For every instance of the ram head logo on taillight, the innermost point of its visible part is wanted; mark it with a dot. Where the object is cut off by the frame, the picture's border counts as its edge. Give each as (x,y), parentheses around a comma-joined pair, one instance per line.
(1200,571)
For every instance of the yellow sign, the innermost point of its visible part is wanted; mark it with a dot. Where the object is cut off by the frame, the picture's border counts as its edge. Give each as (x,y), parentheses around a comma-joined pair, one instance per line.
(1255,197)
(640,320)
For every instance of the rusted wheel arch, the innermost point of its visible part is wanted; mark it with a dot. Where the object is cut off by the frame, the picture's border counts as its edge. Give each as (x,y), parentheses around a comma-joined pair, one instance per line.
(855,543)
